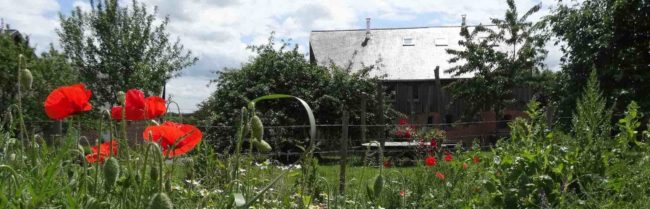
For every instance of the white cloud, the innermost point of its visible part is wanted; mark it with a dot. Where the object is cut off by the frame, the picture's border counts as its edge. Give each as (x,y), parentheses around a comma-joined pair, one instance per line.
(218,31)
(188,91)
(35,18)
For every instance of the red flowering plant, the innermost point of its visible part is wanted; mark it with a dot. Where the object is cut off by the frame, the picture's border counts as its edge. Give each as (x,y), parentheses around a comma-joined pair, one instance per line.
(405,131)
(102,151)
(429,142)
(66,101)
(137,107)
(174,138)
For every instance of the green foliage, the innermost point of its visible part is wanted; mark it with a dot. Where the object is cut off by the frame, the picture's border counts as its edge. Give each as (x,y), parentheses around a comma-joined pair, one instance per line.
(160,201)
(279,70)
(610,37)
(586,168)
(117,48)
(496,72)
(48,71)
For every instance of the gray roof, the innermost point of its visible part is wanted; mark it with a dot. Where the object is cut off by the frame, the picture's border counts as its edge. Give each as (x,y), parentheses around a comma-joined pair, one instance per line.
(399,60)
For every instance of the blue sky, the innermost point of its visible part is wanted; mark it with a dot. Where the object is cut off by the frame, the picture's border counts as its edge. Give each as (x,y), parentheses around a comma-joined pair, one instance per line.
(218,31)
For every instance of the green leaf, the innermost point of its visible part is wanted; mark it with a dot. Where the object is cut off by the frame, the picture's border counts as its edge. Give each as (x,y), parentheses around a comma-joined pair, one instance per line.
(239,199)
(558,168)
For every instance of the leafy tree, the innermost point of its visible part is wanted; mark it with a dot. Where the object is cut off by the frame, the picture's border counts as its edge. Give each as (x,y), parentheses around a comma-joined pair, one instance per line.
(10,49)
(611,37)
(117,48)
(283,70)
(49,70)
(497,72)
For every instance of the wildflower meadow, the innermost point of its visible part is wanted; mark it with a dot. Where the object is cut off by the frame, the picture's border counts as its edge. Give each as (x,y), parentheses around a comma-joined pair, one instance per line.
(170,166)
(387,116)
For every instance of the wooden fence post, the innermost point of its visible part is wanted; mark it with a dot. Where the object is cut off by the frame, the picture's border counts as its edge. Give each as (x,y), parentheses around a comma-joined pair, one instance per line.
(439,97)
(344,151)
(380,119)
(364,129)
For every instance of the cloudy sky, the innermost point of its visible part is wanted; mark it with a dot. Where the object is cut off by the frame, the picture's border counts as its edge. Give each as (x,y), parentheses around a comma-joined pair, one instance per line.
(218,31)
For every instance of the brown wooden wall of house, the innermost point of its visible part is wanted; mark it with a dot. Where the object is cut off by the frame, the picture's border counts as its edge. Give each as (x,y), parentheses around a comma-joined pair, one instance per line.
(418,99)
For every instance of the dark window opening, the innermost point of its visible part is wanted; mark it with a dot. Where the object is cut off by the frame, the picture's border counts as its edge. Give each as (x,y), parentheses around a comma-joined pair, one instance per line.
(449,118)
(390,93)
(416,93)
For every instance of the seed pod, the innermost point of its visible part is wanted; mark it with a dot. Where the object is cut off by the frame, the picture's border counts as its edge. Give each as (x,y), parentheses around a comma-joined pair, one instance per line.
(138,178)
(121,97)
(153,173)
(258,128)
(262,145)
(160,201)
(111,172)
(26,79)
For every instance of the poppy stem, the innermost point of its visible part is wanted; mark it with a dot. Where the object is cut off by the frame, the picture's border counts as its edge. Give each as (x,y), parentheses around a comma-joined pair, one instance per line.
(240,139)
(19,98)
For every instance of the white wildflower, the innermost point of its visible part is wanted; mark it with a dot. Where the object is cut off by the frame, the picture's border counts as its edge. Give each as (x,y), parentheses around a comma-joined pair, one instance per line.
(497,159)
(204,192)
(193,182)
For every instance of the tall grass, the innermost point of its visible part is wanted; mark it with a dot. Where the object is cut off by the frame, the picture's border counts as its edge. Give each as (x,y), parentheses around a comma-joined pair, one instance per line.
(595,165)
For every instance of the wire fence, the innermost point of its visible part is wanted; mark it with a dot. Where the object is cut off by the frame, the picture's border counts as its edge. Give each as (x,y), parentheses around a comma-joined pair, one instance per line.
(285,138)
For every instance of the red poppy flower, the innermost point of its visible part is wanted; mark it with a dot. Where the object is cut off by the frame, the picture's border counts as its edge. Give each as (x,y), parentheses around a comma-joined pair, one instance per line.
(403,121)
(140,108)
(386,164)
(434,143)
(100,153)
(465,166)
(430,161)
(407,134)
(402,193)
(440,175)
(448,156)
(398,133)
(174,138)
(67,100)
(476,159)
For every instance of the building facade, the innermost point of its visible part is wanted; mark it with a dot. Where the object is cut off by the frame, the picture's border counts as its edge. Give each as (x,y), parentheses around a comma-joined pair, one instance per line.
(412,64)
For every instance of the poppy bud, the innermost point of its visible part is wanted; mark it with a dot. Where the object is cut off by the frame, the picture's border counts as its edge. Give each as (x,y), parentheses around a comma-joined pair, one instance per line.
(153,173)
(138,178)
(262,146)
(26,79)
(258,128)
(160,201)
(121,97)
(156,149)
(111,172)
